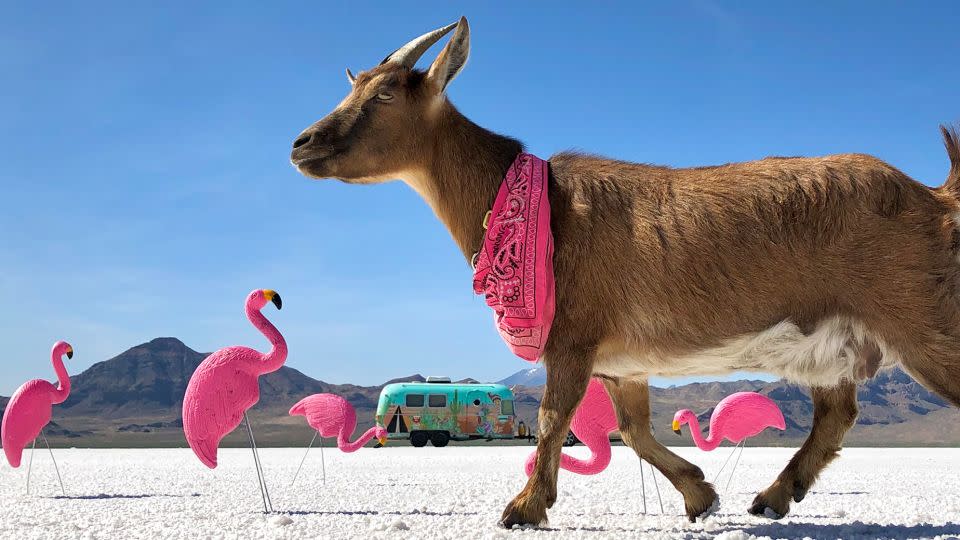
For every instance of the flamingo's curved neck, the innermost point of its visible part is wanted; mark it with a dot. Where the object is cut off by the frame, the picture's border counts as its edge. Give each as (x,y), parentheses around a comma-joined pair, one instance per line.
(274,359)
(63,389)
(597,462)
(704,444)
(344,443)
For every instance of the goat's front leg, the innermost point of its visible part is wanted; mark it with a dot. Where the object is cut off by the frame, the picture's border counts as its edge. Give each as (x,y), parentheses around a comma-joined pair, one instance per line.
(567,376)
(631,399)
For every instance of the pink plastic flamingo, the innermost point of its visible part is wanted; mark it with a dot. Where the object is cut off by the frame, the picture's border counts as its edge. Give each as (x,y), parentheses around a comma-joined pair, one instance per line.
(593,422)
(332,416)
(737,417)
(31,407)
(226,384)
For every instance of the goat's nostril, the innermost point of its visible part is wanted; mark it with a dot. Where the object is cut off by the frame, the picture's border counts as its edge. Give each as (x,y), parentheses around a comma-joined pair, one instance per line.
(302,140)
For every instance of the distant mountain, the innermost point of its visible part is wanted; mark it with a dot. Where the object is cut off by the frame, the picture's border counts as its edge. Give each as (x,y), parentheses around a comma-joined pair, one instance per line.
(535,376)
(412,378)
(135,398)
(141,391)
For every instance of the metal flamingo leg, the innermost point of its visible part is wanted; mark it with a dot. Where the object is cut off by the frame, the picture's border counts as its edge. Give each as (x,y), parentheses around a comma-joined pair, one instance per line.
(743,445)
(315,433)
(643,487)
(715,478)
(30,464)
(323,463)
(653,473)
(267,503)
(63,491)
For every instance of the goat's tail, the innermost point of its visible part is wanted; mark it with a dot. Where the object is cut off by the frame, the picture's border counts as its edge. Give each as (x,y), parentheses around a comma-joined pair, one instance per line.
(951,140)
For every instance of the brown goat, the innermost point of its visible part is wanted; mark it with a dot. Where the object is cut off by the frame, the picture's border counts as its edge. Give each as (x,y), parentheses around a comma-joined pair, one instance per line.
(820,270)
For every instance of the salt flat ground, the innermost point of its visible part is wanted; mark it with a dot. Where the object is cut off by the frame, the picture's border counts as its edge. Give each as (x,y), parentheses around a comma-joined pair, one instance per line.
(459,492)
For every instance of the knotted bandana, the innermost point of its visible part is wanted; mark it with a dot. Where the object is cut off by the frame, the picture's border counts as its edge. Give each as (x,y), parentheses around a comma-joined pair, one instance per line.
(514,267)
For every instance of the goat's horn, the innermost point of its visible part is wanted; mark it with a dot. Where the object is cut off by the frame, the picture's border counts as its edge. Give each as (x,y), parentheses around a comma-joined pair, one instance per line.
(411,52)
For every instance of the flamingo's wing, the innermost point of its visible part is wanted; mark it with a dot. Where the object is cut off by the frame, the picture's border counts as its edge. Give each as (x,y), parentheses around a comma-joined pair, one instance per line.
(27,412)
(743,415)
(327,413)
(217,397)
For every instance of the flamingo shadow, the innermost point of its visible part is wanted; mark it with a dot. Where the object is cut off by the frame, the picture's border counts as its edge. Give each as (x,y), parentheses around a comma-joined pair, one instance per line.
(374,513)
(118,496)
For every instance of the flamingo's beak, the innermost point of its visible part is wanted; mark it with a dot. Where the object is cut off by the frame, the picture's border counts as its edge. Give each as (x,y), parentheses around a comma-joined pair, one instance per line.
(69,353)
(272,296)
(382,440)
(676,427)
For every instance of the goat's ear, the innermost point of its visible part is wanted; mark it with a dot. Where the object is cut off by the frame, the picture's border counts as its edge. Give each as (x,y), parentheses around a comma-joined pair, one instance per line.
(451,59)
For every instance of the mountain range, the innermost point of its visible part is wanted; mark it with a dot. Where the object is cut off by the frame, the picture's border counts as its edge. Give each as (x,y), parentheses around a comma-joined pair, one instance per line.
(134,399)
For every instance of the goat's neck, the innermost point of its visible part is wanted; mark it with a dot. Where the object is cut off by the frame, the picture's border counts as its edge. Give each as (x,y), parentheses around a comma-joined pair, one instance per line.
(462,174)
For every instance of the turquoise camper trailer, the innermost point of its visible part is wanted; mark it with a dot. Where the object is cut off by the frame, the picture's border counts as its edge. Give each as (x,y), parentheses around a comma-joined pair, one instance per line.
(437,411)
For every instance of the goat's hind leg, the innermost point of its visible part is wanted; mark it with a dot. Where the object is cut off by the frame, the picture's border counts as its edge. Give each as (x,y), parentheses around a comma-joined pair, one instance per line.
(631,399)
(834,413)
(936,365)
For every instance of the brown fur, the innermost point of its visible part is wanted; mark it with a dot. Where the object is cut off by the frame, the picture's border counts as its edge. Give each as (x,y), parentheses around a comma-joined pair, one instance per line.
(656,262)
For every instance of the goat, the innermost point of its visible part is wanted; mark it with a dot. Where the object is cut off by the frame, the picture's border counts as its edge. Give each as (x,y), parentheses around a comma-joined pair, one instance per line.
(820,270)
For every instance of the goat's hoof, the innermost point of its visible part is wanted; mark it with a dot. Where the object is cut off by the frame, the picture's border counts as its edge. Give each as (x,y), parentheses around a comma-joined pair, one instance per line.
(701,502)
(706,513)
(520,512)
(761,507)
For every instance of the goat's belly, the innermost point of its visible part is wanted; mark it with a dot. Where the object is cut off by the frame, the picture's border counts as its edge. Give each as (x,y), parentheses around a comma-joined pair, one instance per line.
(837,348)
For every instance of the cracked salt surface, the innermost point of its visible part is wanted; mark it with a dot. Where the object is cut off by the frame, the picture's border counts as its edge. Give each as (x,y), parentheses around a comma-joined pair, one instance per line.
(459,492)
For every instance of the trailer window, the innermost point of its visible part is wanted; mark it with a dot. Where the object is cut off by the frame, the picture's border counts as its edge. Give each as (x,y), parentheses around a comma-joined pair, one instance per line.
(437,400)
(414,400)
(506,407)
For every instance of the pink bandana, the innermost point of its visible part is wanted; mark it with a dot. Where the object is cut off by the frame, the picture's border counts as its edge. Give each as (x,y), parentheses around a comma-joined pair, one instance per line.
(514,267)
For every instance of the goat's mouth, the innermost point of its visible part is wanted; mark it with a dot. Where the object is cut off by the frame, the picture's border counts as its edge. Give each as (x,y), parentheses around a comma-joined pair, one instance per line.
(313,166)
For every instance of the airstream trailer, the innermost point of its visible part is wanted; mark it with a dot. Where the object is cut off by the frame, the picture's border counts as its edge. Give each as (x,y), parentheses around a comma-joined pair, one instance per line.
(437,411)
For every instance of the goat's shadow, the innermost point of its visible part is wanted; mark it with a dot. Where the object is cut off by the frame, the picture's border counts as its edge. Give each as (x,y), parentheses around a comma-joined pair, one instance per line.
(855,529)
(107,496)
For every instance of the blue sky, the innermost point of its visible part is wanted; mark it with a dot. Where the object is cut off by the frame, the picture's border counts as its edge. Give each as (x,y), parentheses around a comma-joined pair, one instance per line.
(144,147)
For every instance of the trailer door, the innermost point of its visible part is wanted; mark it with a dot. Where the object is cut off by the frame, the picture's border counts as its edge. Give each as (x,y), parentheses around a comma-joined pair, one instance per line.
(397,423)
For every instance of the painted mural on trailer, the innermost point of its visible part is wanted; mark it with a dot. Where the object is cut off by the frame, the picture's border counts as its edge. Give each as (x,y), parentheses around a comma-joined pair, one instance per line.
(463,410)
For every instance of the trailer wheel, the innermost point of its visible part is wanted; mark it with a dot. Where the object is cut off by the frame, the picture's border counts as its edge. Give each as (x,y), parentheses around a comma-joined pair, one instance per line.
(419,438)
(439,438)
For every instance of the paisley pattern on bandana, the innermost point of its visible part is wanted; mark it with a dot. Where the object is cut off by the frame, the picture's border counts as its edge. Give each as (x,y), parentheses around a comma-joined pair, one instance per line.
(514,267)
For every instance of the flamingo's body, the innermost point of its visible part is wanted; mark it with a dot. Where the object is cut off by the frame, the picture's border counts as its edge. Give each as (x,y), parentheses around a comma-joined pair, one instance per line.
(592,423)
(737,417)
(225,384)
(31,407)
(333,416)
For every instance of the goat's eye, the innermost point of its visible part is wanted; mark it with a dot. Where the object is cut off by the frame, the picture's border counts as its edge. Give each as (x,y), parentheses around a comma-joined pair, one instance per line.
(384,96)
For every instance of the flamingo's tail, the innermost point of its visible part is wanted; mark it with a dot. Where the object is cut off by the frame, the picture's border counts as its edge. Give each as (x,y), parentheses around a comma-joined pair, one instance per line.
(300,409)
(597,462)
(13,453)
(779,422)
(206,451)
